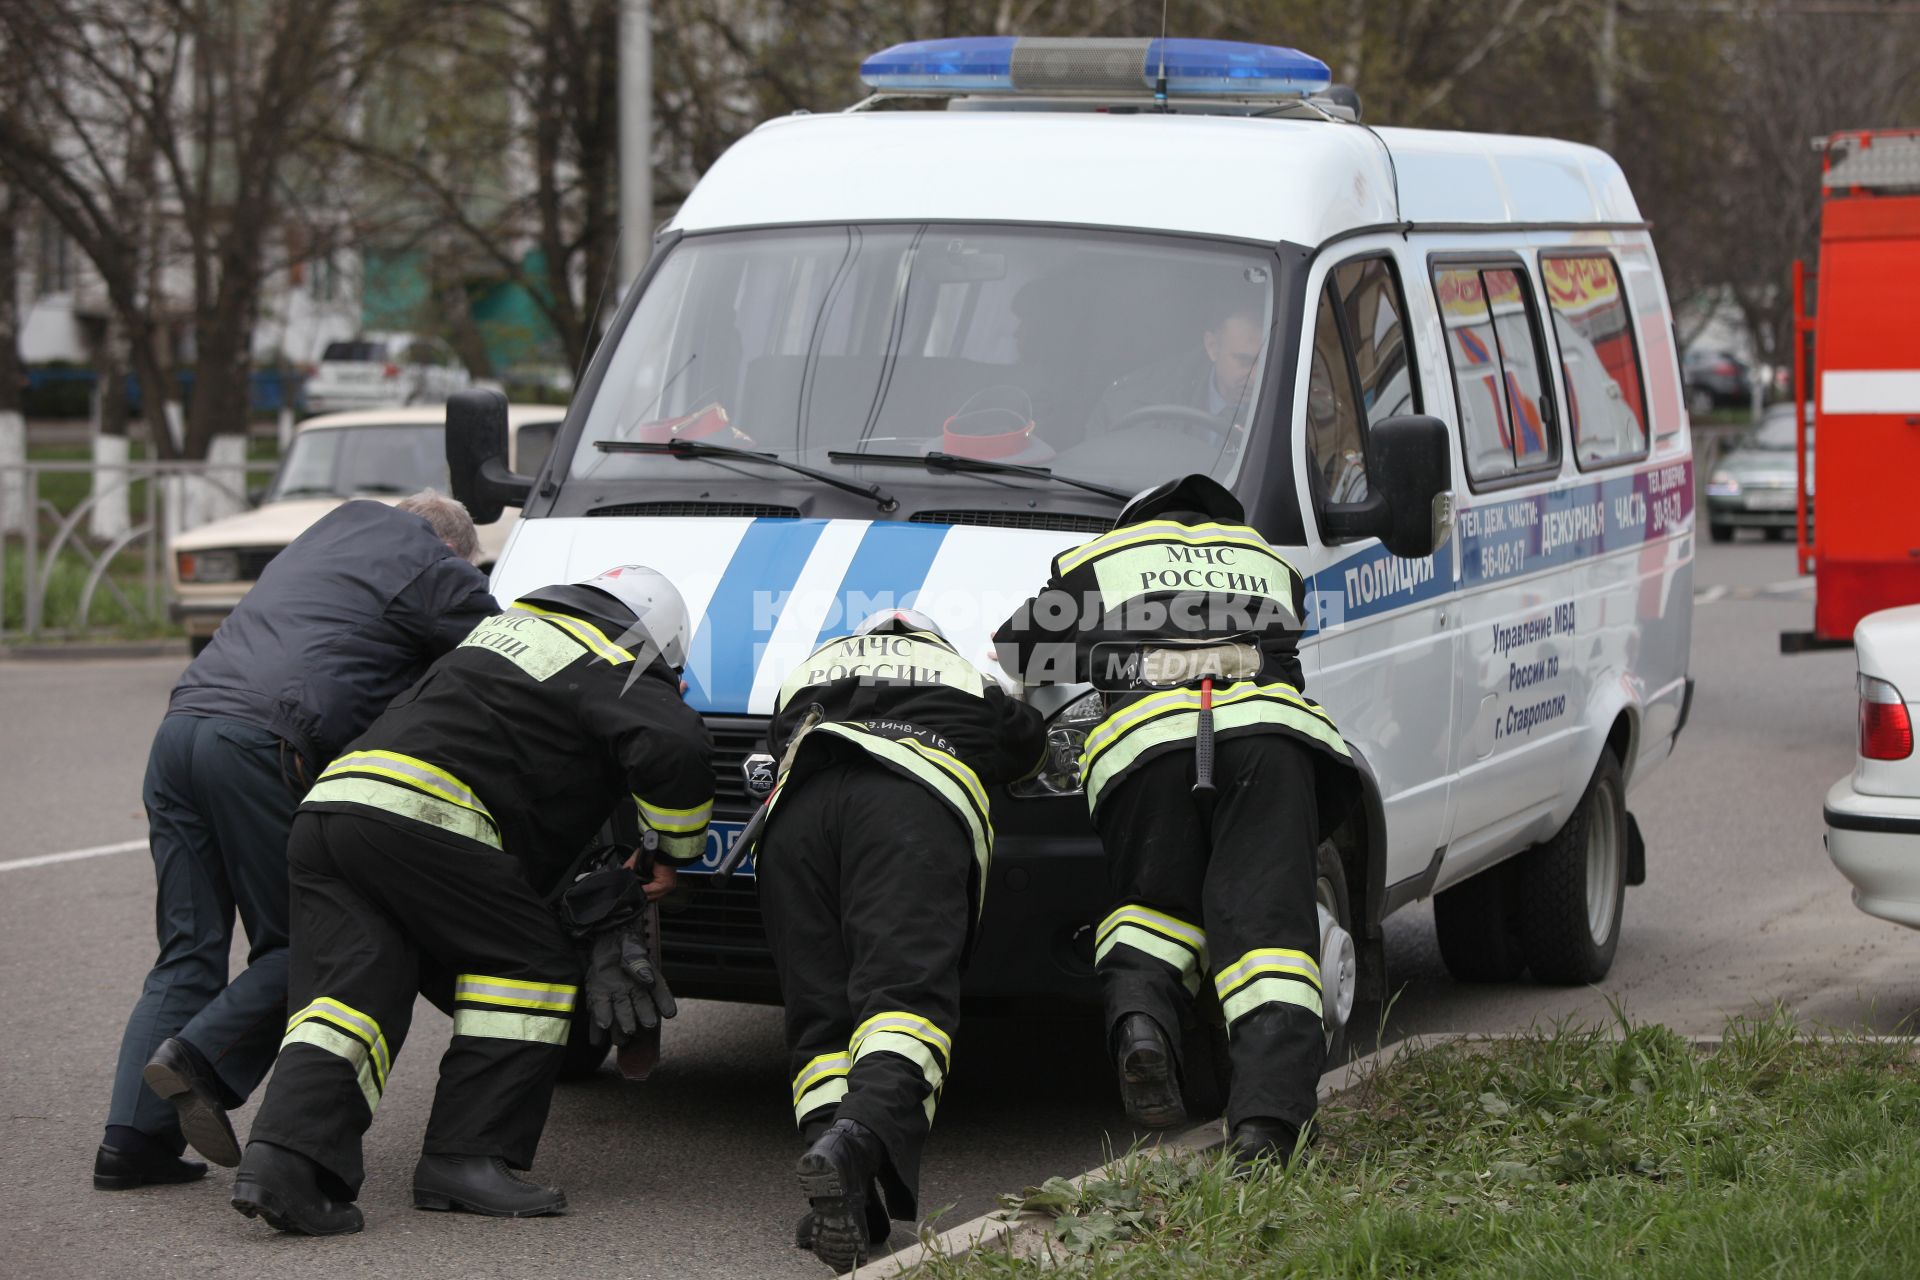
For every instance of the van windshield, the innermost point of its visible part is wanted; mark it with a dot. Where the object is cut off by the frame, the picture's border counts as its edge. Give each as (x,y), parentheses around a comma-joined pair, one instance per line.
(1117,358)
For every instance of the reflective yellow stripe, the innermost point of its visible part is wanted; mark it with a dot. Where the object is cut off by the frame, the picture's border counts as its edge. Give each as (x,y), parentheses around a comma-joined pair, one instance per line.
(683,848)
(341,1045)
(825,1094)
(824,1067)
(492,1024)
(428,777)
(1116,726)
(406,802)
(1179,726)
(1160,922)
(674,821)
(585,632)
(909,1047)
(1281,960)
(557,997)
(1172,954)
(906,1023)
(353,1021)
(1163,531)
(1265,991)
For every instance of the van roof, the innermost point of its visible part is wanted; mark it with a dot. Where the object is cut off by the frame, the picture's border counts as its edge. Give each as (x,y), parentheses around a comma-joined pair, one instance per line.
(1242,177)
(518,415)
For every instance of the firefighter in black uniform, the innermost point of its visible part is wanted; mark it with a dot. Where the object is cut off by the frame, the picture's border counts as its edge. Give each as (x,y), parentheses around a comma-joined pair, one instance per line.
(1203,780)
(871,871)
(419,860)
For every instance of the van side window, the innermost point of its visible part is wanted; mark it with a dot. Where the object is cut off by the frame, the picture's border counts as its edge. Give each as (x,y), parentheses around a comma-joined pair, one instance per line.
(1493,342)
(1360,373)
(1606,396)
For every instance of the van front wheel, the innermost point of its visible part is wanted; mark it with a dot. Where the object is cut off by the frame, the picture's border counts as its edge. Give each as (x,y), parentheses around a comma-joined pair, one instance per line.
(1572,889)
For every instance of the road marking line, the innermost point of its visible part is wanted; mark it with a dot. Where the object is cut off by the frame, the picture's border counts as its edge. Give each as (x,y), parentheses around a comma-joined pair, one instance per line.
(73,855)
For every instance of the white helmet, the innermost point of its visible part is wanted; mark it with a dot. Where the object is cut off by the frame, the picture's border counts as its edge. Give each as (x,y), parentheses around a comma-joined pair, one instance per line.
(899,622)
(656,605)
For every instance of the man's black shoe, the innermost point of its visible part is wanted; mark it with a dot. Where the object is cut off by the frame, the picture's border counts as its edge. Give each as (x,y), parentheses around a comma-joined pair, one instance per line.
(283,1188)
(836,1176)
(1259,1138)
(1149,1087)
(481,1184)
(117,1170)
(180,1075)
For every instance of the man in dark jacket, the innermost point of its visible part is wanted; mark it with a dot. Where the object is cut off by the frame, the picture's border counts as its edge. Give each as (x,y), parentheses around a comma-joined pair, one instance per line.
(420,862)
(346,617)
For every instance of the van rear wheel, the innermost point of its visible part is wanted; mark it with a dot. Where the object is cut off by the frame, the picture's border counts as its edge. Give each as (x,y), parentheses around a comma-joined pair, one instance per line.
(1477,921)
(1572,889)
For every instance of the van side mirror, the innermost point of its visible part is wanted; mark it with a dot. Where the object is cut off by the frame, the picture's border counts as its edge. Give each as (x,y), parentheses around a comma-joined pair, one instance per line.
(477,455)
(1408,468)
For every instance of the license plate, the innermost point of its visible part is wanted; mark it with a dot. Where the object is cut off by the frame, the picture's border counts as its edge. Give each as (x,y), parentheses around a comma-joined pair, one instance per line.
(721,836)
(1771,501)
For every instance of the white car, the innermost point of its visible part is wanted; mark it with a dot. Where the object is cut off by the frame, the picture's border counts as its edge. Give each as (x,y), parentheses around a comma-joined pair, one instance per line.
(381,369)
(1873,814)
(386,454)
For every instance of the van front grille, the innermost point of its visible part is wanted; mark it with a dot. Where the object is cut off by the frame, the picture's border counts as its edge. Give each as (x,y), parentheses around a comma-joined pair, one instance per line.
(1066,523)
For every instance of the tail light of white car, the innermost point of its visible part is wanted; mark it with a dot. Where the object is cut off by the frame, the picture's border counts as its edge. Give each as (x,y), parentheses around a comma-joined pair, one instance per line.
(1886,730)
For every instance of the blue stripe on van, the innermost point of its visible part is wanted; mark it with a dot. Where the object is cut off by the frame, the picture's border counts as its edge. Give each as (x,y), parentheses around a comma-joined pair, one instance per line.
(745,608)
(888,570)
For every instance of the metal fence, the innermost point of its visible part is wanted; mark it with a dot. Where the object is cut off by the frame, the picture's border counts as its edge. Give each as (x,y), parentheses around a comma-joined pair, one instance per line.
(45,544)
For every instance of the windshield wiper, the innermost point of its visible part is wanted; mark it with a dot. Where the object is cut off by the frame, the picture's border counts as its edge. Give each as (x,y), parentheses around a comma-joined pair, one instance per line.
(306,491)
(381,488)
(937,461)
(695,449)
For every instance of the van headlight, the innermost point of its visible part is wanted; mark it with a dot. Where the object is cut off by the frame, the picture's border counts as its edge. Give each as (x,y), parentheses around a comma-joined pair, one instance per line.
(1067,731)
(209,566)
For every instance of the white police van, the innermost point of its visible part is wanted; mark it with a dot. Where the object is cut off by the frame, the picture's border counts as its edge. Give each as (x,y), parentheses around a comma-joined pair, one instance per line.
(904,356)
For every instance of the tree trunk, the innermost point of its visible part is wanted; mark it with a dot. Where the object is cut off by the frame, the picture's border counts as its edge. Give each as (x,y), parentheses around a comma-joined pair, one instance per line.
(13,422)
(111,513)
(218,414)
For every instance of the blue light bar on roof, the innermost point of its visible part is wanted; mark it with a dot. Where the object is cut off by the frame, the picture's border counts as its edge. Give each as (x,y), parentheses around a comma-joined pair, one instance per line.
(1132,68)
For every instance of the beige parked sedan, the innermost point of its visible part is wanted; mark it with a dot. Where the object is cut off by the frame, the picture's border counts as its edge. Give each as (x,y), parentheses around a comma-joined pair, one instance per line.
(371,453)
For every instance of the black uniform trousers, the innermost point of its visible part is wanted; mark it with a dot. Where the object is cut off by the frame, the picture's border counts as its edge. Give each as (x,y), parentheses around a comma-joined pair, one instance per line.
(380,910)
(865,881)
(1229,901)
(220,796)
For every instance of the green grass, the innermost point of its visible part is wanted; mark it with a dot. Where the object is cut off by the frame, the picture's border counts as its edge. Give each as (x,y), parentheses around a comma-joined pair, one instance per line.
(62,602)
(1622,1153)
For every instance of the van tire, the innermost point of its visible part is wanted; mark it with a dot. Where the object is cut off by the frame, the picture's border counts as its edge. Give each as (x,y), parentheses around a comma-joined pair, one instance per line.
(1573,887)
(1720,532)
(1330,891)
(1478,925)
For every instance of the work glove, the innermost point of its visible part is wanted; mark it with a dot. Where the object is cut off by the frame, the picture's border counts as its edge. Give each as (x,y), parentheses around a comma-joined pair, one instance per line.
(625,993)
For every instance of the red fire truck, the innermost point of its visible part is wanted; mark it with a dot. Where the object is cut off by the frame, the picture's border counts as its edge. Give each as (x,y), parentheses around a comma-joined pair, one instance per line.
(1864,334)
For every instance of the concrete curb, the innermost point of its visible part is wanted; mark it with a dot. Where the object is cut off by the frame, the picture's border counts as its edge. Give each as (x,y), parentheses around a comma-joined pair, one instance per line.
(81,650)
(998,1227)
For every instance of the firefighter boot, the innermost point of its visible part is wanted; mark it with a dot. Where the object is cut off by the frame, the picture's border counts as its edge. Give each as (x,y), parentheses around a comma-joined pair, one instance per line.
(1149,1088)
(481,1184)
(836,1176)
(879,1224)
(283,1187)
(179,1074)
(1262,1138)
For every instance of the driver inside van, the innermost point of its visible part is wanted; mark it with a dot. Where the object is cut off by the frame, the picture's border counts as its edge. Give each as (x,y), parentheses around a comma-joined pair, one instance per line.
(1211,382)
(1333,437)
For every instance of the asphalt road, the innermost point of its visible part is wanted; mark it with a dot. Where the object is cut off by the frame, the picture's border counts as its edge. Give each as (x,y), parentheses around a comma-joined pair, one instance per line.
(688,1175)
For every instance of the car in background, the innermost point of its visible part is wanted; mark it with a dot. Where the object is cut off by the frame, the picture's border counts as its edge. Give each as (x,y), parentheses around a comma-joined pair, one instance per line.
(1716,380)
(377,369)
(1873,814)
(385,454)
(1751,487)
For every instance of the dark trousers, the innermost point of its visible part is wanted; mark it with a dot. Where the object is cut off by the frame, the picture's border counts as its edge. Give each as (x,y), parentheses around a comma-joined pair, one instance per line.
(1228,901)
(220,796)
(864,880)
(382,911)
